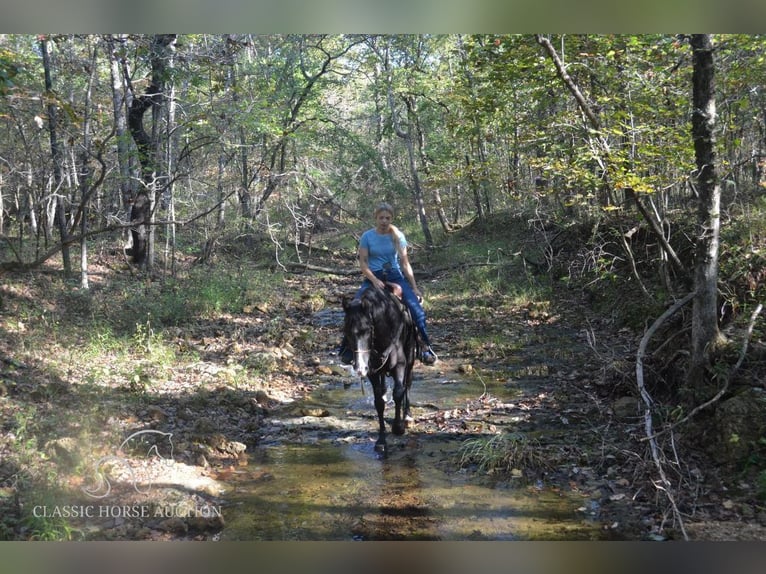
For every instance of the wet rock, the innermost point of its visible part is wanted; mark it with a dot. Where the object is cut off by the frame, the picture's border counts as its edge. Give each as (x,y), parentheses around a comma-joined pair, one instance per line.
(173,525)
(65,451)
(314,412)
(225,446)
(204,425)
(157,413)
(739,424)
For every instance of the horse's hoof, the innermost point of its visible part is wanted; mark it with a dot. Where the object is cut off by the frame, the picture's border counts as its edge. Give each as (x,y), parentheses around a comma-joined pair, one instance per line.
(399,429)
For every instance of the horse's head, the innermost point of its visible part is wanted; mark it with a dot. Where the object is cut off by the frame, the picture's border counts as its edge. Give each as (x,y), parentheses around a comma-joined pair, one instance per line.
(357,328)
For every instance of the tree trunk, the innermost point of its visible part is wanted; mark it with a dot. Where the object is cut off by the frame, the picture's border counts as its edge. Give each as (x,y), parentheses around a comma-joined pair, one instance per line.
(171,152)
(481,186)
(148,149)
(244,194)
(245,198)
(406,136)
(57,153)
(474,188)
(120,121)
(85,175)
(705,332)
(417,190)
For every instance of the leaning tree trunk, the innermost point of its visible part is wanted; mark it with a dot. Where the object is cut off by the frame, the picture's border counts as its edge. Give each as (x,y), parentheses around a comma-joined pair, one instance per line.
(705,332)
(599,143)
(406,136)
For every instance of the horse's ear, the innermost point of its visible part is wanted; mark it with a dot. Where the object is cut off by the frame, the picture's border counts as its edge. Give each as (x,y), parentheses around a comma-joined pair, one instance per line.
(346,301)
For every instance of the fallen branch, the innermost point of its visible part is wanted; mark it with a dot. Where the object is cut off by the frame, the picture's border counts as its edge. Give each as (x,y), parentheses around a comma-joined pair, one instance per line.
(666,486)
(629,253)
(307,267)
(729,377)
(300,267)
(657,230)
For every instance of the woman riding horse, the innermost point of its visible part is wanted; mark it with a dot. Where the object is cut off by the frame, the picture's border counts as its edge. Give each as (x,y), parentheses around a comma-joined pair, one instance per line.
(383,259)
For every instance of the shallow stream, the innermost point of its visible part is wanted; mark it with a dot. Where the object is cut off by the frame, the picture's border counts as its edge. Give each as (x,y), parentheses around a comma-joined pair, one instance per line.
(316,475)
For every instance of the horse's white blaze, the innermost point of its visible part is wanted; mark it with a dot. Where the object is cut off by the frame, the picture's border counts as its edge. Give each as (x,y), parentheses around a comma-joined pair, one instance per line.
(362,358)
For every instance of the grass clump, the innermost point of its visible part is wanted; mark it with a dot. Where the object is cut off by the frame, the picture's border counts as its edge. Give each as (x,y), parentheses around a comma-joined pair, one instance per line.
(511,454)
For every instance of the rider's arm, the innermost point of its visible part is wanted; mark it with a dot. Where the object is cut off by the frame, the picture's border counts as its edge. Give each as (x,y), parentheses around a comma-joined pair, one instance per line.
(364,265)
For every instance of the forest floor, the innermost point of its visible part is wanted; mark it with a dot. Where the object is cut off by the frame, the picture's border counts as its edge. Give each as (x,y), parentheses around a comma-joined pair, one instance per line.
(165,429)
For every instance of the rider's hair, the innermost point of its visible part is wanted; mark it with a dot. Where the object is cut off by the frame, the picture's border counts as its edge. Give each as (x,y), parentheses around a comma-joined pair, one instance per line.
(395,233)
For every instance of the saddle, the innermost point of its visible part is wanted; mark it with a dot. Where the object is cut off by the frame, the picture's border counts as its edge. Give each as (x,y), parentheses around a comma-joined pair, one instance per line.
(395,288)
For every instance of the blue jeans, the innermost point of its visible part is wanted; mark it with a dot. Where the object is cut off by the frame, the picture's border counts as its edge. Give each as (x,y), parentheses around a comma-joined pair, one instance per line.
(408,298)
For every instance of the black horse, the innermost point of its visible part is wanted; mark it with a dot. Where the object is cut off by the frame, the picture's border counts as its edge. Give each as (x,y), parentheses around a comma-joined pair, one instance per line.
(380,331)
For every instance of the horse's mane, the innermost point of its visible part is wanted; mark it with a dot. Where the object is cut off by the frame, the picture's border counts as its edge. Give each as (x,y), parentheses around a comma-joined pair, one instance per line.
(382,306)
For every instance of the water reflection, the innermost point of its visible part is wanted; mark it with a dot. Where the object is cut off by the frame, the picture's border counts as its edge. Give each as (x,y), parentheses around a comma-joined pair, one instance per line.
(326,482)
(319,478)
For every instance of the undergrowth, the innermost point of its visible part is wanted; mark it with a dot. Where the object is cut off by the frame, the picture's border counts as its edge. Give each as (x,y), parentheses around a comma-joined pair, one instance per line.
(131,331)
(512,454)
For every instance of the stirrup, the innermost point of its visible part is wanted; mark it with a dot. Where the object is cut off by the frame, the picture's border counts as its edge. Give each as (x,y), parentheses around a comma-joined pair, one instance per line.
(428,357)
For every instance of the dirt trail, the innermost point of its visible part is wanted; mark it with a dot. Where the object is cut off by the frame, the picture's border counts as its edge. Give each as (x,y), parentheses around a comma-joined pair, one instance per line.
(535,380)
(545,372)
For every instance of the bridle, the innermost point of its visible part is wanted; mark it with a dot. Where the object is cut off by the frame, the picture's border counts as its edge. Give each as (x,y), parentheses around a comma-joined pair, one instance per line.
(387,352)
(370,351)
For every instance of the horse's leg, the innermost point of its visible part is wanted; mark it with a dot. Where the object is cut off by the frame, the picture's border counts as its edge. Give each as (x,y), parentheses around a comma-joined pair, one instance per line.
(378,383)
(401,402)
(406,402)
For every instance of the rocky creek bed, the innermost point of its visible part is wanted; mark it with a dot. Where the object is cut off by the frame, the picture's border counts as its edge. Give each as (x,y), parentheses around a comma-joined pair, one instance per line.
(185,456)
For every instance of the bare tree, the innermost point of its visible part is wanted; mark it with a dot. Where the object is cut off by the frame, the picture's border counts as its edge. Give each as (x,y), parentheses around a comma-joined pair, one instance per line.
(85,174)
(705,332)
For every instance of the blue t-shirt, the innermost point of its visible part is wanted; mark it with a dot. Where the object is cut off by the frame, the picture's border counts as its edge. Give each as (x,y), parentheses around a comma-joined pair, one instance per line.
(381,249)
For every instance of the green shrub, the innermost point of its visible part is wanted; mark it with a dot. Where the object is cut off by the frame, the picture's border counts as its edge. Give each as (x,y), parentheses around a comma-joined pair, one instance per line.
(507,453)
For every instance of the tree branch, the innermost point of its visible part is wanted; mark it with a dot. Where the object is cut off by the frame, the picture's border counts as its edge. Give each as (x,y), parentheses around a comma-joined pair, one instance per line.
(729,377)
(648,401)
(567,79)
(660,236)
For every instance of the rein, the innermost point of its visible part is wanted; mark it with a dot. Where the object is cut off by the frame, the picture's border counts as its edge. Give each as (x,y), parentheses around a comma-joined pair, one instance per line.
(372,340)
(385,355)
